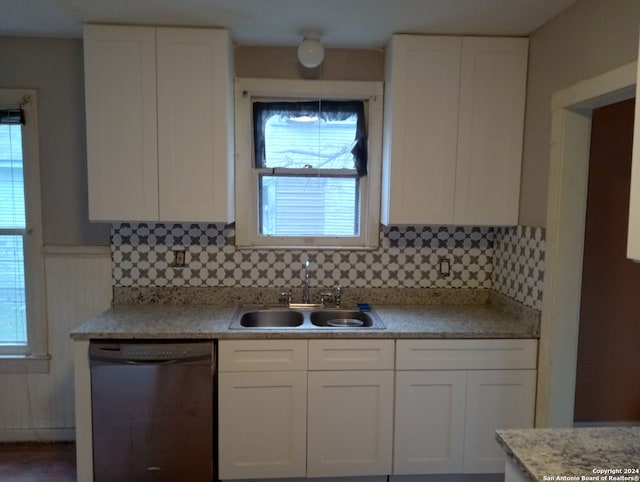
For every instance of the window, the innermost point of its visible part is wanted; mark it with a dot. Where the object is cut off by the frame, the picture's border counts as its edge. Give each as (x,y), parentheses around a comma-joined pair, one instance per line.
(308,171)
(307,155)
(22,325)
(13,315)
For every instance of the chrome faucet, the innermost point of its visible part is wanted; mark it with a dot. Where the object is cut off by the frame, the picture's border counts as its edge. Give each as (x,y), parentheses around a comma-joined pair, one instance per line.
(306,294)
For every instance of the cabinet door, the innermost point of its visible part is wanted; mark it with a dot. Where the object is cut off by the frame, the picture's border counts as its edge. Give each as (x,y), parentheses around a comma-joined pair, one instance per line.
(350,423)
(429,422)
(120,89)
(496,399)
(421,123)
(262,424)
(492,98)
(195,91)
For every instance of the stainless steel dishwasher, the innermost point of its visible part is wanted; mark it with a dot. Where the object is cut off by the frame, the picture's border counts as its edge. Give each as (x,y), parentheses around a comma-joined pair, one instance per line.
(153,411)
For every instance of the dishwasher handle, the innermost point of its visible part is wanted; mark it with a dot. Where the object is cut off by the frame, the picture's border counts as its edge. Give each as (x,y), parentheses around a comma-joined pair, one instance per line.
(156,362)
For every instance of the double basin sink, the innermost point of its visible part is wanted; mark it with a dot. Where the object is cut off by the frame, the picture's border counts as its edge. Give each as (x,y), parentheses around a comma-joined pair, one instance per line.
(304,318)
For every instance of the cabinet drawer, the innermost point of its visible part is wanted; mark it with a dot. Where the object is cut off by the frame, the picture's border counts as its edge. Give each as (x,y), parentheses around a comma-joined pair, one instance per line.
(466,354)
(262,355)
(351,354)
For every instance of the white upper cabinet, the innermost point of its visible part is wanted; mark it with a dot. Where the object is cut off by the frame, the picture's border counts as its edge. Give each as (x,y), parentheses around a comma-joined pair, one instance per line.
(454,115)
(159,123)
(490,130)
(420,129)
(195,124)
(122,146)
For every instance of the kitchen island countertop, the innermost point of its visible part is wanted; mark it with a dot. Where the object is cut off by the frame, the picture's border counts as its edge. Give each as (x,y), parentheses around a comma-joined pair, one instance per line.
(598,453)
(160,321)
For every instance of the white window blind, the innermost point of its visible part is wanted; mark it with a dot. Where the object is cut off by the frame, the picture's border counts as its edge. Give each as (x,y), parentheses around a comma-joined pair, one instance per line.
(13,321)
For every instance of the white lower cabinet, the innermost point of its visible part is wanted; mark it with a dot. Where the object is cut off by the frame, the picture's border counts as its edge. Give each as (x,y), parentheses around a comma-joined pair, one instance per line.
(350,423)
(264,428)
(283,414)
(429,422)
(366,407)
(495,399)
(350,407)
(262,407)
(452,395)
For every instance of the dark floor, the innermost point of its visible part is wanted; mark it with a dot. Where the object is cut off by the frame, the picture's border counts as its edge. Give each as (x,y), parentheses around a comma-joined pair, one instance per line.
(37,462)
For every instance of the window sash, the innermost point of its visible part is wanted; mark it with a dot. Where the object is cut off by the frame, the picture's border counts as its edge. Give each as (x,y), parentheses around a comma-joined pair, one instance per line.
(323,109)
(309,209)
(312,210)
(13,320)
(12,189)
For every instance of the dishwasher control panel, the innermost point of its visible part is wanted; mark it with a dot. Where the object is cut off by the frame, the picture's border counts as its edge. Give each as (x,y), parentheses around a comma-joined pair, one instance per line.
(141,352)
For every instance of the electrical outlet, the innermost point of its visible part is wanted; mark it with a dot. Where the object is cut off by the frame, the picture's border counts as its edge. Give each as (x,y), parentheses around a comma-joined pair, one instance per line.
(444,266)
(179,258)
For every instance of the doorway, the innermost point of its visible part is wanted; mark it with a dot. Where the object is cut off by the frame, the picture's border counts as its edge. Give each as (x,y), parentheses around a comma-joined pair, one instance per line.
(607,366)
(571,111)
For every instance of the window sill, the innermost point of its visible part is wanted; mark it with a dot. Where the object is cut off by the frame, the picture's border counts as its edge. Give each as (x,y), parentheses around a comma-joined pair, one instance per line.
(24,364)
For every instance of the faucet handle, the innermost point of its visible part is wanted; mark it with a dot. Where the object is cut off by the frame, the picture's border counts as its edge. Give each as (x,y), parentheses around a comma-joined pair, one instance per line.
(338,291)
(324,296)
(285,297)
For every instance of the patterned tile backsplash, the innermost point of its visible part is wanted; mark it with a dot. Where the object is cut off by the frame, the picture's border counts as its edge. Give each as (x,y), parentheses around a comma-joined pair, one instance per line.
(408,257)
(518,264)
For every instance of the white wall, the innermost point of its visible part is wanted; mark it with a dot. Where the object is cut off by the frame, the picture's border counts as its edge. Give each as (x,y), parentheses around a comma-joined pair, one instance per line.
(54,67)
(588,39)
(41,406)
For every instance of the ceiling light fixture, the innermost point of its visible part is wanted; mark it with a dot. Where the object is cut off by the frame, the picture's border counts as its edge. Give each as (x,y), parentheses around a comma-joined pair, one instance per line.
(311,51)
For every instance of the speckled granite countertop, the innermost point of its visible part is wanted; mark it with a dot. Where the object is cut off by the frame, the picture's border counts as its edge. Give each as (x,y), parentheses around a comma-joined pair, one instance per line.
(401,321)
(602,453)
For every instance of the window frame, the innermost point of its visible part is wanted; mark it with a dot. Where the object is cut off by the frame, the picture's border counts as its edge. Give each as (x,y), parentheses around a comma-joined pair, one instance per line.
(247,176)
(31,357)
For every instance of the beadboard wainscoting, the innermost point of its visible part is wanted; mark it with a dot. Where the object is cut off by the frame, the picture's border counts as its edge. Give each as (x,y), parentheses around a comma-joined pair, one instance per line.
(40,406)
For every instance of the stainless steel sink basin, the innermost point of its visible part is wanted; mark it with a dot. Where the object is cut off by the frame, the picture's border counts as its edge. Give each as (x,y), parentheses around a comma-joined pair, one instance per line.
(305,318)
(341,319)
(283,318)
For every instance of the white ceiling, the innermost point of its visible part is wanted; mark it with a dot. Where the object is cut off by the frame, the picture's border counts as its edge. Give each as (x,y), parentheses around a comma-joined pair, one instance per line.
(343,23)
